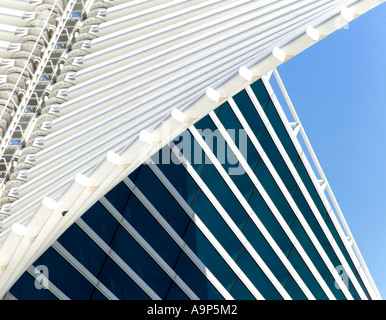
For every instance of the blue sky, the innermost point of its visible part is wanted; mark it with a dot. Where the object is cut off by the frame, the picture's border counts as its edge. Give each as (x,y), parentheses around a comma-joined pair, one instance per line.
(338,88)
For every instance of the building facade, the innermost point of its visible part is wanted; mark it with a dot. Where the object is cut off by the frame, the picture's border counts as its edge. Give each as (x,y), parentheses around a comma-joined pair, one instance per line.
(158,163)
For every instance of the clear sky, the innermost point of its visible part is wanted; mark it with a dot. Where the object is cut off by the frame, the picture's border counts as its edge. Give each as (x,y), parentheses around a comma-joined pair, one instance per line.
(338,88)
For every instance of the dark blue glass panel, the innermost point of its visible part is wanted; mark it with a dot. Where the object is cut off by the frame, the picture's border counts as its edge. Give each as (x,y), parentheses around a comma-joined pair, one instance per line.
(24,289)
(119,283)
(162,200)
(175,293)
(308,246)
(261,93)
(224,195)
(336,291)
(64,276)
(310,218)
(228,118)
(215,223)
(194,278)
(294,290)
(118,196)
(82,248)
(142,264)
(190,149)
(238,135)
(265,215)
(306,275)
(249,112)
(281,132)
(362,285)
(257,277)
(278,162)
(270,186)
(133,175)
(242,181)
(241,291)
(101,221)
(266,252)
(144,223)
(205,123)
(200,245)
(332,256)
(218,146)
(97,295)
(180,179)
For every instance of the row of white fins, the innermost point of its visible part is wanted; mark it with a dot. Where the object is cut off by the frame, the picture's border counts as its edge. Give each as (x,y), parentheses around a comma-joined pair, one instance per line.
(75,112)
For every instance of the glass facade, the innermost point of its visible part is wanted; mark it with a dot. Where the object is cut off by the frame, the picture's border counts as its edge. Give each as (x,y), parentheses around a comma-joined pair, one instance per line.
(223,224)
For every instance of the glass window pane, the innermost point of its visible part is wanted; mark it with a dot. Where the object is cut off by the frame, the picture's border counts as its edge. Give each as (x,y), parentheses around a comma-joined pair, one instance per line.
(217,226)
(162,200)
(118,196)
(139,260)
(310,218)
(265,215)
(195,279)
(82,248)
(294,290)
(261,93)
(65,276)
(278,162)
(241,291)
(266,252)
(223,194)
(119,283)
(336,291)
(200,245)
(249,112)
(308,246)
(273,191)
(257,277)
(281,132)
(180,179)
(101,221)
(308,278)
(301,169)
(97,295)
(175,293)
(145,224)
(24,289)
